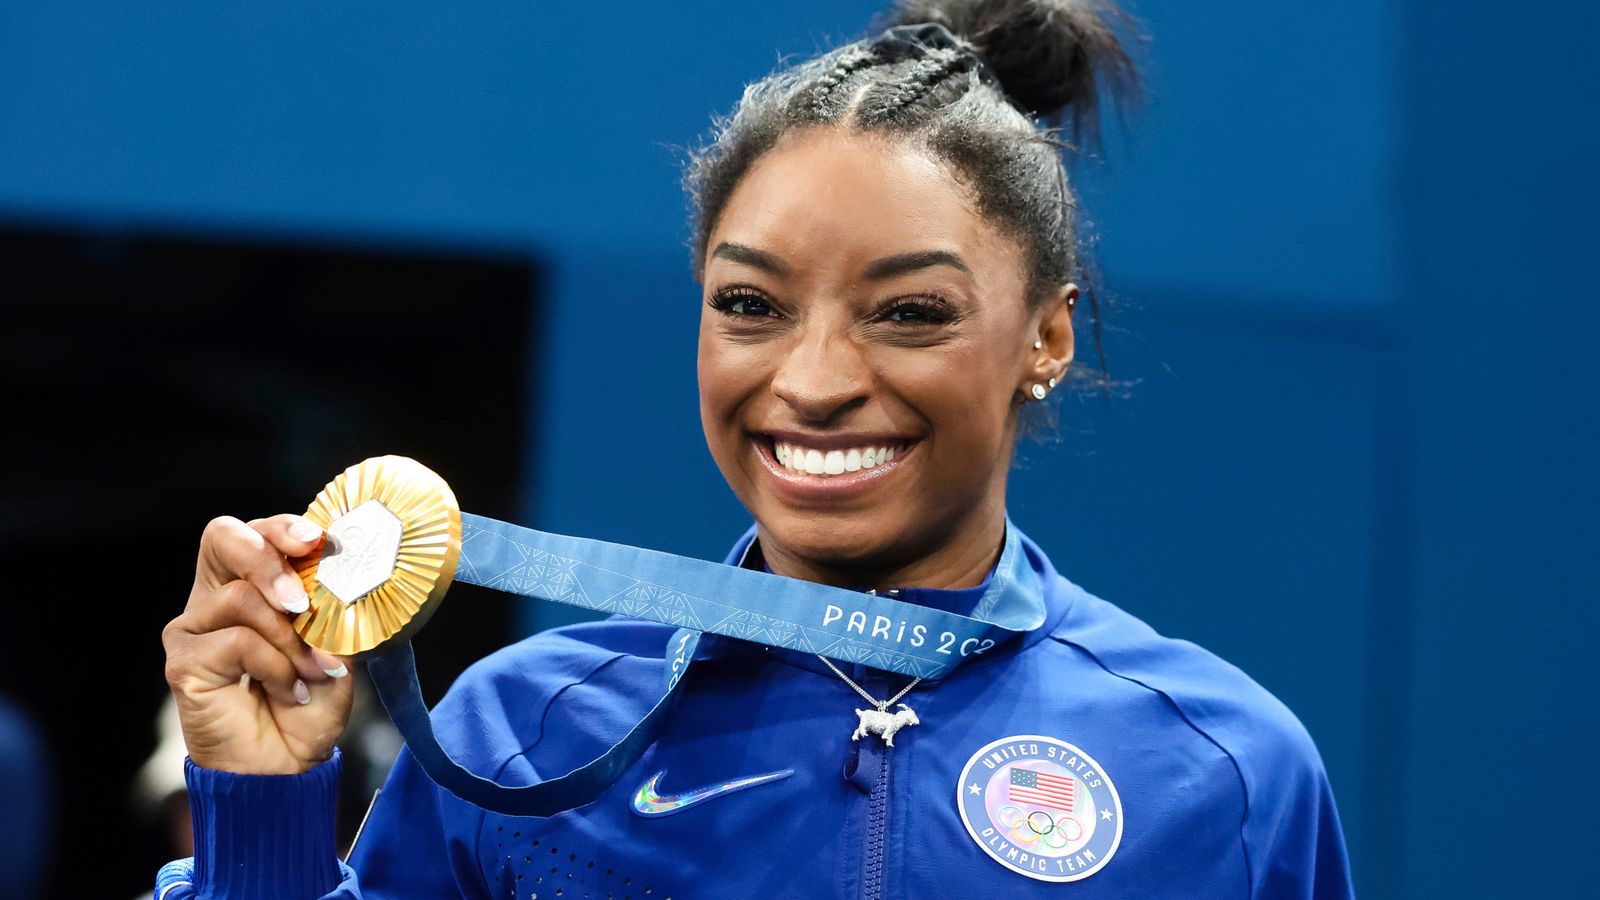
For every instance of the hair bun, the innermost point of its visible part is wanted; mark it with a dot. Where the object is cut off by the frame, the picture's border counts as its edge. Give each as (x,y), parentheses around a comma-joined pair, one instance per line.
(1050,55)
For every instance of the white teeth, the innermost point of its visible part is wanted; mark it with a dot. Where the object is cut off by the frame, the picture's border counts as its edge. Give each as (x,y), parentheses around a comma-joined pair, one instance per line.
(814,462)
(800,459)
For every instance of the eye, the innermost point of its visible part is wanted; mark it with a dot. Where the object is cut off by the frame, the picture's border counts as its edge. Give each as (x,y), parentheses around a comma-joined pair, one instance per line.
(918,311)
(743,302)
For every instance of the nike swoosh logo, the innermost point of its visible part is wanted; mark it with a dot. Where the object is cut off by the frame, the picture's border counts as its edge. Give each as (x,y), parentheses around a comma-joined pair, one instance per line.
(650,803)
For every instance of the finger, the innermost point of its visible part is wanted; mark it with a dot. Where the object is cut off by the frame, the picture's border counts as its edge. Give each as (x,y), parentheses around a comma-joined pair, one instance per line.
(220,658)
(293,535)
(230,550)
(241,603)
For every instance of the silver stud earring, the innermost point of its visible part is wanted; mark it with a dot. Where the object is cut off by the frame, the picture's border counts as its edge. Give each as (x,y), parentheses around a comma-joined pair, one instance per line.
(1038,345)
(1052,384)
(1038,392)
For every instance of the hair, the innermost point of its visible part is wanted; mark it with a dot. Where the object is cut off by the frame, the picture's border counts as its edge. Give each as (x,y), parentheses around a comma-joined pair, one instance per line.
(992,105)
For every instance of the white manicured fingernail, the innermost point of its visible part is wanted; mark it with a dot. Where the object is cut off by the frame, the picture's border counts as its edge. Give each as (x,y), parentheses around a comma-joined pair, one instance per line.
(331,665)
(302,694)
(304,531)
(291,593)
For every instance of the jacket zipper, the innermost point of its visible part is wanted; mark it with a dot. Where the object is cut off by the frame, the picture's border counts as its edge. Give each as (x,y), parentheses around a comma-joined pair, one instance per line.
(872,875)
(877,830)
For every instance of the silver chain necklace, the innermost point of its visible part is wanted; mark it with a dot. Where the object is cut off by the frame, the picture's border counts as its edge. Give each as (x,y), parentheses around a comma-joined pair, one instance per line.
(878,720)
(880,704)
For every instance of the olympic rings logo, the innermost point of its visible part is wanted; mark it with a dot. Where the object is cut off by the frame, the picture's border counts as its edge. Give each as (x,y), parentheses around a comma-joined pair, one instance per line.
(1055,833)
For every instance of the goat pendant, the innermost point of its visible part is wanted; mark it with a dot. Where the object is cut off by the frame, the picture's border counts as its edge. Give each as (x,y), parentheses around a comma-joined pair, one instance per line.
(883,723)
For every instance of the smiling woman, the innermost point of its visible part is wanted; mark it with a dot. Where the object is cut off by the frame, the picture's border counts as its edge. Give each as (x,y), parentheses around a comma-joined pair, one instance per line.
(857,303)
(885,241)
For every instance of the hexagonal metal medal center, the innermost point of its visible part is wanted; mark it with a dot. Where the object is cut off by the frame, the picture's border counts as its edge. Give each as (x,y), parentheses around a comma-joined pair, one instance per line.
(360,551)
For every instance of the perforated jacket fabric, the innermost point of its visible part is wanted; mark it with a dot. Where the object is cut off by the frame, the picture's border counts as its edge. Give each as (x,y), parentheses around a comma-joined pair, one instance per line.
(1220,791)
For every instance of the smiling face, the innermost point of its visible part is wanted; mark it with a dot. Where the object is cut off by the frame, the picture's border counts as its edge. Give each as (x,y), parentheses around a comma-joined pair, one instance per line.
(864,343)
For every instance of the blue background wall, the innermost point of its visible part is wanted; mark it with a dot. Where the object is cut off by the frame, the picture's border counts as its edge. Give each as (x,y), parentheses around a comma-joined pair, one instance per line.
(1350,243)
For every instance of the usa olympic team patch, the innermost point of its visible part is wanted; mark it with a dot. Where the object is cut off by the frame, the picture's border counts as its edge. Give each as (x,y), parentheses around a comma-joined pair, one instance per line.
(1040,807)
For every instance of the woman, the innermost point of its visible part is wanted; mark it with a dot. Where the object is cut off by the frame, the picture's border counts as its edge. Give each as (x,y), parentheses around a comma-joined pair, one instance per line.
(885,242)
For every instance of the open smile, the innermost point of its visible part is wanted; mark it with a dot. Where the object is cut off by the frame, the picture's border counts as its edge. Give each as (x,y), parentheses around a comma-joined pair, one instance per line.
(828,465)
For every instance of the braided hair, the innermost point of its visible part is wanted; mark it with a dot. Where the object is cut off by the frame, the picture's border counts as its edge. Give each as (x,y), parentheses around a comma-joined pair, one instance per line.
(900,103)
(985,85)
(828,87)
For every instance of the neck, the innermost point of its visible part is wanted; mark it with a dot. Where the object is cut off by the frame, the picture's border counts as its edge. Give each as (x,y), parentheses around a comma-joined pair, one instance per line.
(961,561)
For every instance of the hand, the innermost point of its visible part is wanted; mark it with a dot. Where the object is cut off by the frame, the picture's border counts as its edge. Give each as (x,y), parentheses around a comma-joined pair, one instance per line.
(252,696)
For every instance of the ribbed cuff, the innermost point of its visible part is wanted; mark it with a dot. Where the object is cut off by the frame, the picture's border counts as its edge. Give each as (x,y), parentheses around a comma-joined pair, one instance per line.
(264,837)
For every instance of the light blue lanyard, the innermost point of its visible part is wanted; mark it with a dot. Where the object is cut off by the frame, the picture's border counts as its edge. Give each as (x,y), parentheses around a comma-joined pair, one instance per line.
(875,630)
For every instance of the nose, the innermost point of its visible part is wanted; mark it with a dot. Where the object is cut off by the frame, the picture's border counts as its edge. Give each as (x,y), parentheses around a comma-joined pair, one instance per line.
(824,374)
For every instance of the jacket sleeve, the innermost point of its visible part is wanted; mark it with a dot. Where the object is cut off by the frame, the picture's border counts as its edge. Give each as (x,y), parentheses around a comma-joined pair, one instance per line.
(259,836)
(1292,828)
(272,837)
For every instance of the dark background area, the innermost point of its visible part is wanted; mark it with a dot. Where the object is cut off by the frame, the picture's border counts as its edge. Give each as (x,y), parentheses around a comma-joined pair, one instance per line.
(1351,246)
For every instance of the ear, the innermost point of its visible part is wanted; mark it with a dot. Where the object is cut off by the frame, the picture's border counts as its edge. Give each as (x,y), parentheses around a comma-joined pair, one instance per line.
(1049,363)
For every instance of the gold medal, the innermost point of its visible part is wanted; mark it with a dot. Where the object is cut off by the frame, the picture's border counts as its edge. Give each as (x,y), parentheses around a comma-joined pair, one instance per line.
(393,541)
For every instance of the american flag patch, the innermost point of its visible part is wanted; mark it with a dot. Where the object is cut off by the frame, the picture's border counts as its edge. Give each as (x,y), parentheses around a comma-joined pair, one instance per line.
(1042,789)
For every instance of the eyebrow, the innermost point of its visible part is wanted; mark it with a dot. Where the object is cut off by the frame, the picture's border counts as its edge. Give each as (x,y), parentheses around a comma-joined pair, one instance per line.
(879,270)
(901,263)
(750,256)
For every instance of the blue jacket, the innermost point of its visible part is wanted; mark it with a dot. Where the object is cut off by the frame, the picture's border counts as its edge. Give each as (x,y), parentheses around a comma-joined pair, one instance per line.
(1091,750)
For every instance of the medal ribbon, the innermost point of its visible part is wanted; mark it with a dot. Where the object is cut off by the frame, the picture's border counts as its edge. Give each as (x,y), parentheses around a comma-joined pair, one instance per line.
(697,596)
